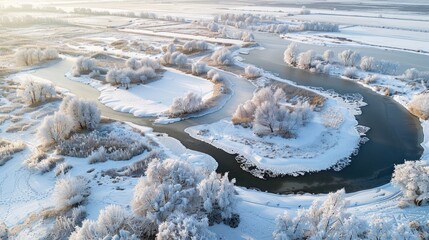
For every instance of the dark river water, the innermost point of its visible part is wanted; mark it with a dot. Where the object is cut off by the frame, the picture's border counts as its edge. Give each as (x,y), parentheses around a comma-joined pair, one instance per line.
(395,134)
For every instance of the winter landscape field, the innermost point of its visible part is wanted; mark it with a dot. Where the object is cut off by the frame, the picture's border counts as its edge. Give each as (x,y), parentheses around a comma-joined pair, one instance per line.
(196,119)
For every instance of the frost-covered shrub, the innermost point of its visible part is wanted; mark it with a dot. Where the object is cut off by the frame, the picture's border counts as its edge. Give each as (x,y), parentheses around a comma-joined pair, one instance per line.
(199,68)
(318,26)
(351,72)
(151,62)
(274,28)
(291,54)
(244,114)
(133,63)
(65,225)
(55,129)
(370,64)
(99,155)
(213,27)
(41,162)
(222,56)
(175,58)
(119,143)
(419,106)
(7,149)
(412,178)
(328,220)
(85,114)
(115,77)
(33,92)
(349,58)
(305,59)
(112,221)
(194,46)
(252,72)
(247,37)
(83,65)
(371,78)
(32,56)
(169,186)
(187,104)
(215,76)
(413,74)
(70,192)
(181,226)
(62,168)
(329,56)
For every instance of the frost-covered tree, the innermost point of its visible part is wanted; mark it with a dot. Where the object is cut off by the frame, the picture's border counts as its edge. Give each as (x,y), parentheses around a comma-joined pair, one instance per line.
(318,26)
(218,196)
(114,76)
(413,74)
(351,72)
(199,68)
(271,118)
(133,63)
(419,105)
(305,59)
(35,92)
(349,58)
(70,192)
(112,221)
(222,56)
(85,114)
(194,45)
(183,227)
(189,103)
(169,186)
(83,65)
(32,56)
(329,56)
(55,128)
(291,54)
(328,220)
(412,178)
(252,72)
(368,64)
(267,114)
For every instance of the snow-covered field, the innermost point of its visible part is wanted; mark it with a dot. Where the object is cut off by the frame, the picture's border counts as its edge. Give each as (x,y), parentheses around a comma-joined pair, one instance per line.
(25,193)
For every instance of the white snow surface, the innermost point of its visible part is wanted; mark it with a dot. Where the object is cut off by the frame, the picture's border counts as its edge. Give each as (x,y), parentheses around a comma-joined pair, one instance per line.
(152,99)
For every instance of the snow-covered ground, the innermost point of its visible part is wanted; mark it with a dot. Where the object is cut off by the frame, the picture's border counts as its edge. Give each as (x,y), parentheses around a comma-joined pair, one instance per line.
(23,191)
